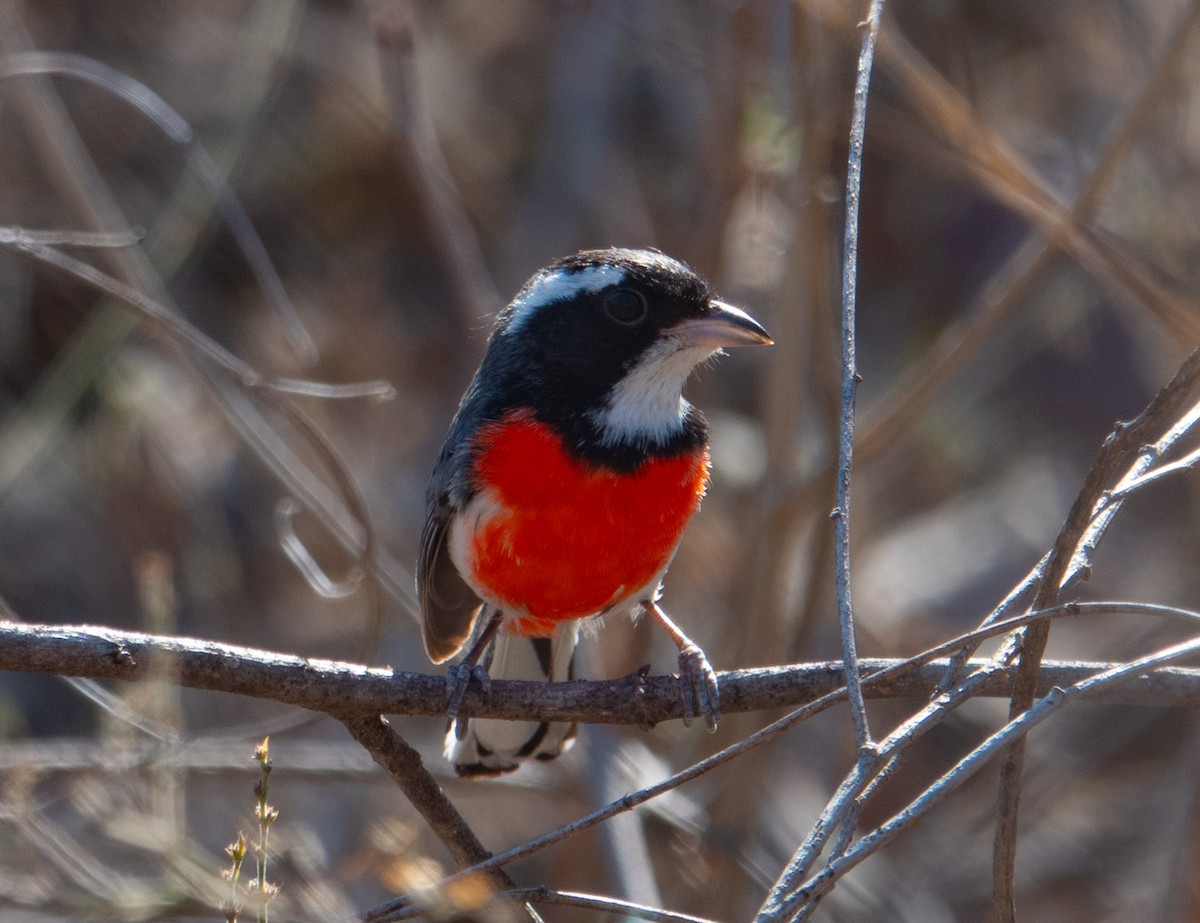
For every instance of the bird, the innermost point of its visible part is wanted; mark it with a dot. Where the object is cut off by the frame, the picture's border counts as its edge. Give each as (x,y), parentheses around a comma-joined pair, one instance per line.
(564,484)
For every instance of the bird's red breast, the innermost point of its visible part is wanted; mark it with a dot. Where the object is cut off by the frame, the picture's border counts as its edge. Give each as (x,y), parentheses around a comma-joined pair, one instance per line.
(557,538)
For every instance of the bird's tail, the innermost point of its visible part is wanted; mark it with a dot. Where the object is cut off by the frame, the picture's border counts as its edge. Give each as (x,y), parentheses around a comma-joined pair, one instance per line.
(493,747)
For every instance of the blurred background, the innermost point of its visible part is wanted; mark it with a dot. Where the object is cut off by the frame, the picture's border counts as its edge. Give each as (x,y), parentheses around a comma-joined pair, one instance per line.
(408,165)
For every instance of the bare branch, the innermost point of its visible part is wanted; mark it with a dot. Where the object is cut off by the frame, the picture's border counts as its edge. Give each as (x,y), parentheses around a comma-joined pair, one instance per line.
(404,765)
(964,340)
(1001,170)
(1125,440)
(950,781)
(850,378)
(174,126)
(356,694)
(843,807)
(341,689)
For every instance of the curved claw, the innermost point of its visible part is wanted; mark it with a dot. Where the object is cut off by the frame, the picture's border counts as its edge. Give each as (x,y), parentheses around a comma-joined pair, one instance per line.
(458,681)
(458,678)
(459,675)
(698,687)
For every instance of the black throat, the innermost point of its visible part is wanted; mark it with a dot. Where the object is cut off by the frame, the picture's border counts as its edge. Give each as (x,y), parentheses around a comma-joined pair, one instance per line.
(583,439)
(520,379)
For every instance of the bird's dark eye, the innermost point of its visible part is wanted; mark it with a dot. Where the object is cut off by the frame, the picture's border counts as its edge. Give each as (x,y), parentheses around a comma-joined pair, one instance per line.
(625,306)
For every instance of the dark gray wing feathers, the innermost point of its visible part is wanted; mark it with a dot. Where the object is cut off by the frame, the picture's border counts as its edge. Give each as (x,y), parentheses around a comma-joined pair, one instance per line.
(448,605)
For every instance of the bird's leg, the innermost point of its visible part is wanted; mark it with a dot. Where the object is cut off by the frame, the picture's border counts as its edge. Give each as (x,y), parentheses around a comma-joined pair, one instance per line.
(459,676)
(697,679)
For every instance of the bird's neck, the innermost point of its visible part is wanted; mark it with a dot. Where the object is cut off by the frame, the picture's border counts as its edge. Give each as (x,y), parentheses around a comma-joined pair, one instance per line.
(646,406)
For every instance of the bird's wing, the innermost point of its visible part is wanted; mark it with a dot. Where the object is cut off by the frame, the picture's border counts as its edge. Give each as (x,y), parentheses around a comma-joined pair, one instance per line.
(448,605)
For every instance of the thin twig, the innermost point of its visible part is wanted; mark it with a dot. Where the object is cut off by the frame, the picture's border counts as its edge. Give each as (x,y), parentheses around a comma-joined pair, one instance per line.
(175,127)
(885,674)
(964,340)
(850,378)
(184,335)
(867,759)
(134,281)
(1135,482)
(1078,528)
(951,780)
(843,807)
(1139,474)
(85,240)
(1016,184)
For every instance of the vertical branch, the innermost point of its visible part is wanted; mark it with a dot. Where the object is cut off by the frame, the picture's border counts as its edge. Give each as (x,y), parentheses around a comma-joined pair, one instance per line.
(777,904)
(850,377)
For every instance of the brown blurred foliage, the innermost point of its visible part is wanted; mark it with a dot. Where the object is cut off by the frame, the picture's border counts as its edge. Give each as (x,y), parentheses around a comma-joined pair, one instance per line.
(408,165)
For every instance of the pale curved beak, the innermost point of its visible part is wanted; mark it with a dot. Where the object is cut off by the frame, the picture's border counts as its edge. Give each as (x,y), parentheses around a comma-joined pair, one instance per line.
(722,327)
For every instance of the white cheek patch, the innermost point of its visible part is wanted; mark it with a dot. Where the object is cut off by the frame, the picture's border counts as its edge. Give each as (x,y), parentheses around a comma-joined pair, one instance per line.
(560,285)
(647,404)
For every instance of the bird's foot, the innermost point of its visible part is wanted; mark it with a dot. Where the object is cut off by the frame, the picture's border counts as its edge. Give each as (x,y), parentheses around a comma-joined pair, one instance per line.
(697,678)
(698,687)
(458,681)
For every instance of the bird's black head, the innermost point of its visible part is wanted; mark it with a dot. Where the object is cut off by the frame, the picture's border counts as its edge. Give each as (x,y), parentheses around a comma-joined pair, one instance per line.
(601,343)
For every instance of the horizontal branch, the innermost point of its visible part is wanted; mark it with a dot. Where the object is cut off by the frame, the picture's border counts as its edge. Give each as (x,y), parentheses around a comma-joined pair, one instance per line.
(344,689)
(203,754)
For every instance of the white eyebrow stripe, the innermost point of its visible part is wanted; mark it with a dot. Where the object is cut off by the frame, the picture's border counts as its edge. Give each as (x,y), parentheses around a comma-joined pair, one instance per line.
(561,285)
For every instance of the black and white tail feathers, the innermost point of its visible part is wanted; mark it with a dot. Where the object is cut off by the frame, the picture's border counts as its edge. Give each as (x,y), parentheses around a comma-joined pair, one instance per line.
(491,747)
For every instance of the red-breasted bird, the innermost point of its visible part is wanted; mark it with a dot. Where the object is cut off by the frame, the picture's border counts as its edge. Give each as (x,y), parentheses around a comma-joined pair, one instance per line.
(565,482)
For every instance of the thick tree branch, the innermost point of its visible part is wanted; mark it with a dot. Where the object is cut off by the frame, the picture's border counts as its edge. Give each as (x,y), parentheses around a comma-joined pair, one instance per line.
(348,690)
